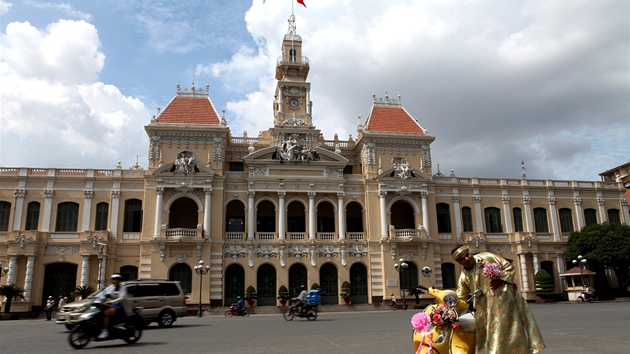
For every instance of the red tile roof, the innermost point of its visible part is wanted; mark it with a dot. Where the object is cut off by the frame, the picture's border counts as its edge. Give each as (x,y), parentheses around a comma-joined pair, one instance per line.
(388,119)
(189,110)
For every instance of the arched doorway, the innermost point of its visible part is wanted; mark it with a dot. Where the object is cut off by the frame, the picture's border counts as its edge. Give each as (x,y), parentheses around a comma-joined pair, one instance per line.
(234,283)
(59,279)
(128,272)
(181,272)
(297,278)
(359,283)
(408,277)
(402,215)
(328,280)
(266,285)
(183,214)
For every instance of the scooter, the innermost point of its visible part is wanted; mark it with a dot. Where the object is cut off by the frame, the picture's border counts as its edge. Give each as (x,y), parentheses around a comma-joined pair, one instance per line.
(232,311)
(309,311)
(447,326)
(585,296)
(90,323)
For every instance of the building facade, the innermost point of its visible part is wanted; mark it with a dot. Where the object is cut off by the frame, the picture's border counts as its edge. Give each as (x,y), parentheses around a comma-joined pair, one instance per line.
(285,208)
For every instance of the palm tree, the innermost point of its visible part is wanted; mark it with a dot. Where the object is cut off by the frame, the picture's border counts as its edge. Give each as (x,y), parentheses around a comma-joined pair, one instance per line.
(11,292)
(83,291)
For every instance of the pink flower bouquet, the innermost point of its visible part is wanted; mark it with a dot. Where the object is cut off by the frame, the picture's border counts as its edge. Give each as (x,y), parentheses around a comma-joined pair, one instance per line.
(493,271)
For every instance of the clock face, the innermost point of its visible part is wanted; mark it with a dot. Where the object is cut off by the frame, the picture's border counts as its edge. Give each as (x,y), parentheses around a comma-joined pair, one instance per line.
(294,103)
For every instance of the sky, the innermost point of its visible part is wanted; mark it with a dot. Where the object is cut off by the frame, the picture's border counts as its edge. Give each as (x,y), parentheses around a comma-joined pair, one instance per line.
(495,82)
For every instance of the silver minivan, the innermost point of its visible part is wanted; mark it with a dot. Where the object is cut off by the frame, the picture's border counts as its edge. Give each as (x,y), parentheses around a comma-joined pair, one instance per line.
(162,301)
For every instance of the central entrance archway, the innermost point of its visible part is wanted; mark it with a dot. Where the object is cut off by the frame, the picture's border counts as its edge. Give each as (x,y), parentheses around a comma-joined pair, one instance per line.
(266,281)
(329,283)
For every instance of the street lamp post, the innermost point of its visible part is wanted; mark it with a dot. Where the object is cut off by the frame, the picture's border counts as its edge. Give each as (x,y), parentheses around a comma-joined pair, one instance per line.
(399,268)
(99,281)
(581,262)
(201,270)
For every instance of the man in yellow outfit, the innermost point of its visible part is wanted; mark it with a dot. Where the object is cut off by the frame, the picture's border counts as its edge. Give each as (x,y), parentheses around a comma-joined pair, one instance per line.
(504,323)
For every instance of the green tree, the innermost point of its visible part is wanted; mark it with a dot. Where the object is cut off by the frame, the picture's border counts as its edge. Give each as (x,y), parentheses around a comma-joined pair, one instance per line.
(605,246)
(11,292)
(346,290)
(83,291)
(283,293)
(545,287)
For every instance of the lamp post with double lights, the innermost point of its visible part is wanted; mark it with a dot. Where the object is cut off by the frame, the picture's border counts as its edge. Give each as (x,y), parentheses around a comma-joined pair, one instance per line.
(3,271)
(402,265)
(581,262)
(201,270)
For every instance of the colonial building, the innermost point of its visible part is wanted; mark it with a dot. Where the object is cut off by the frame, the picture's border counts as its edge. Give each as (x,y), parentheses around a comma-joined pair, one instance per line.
(287,207)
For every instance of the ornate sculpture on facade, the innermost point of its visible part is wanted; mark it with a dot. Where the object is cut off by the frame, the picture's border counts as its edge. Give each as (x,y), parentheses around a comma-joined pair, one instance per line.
(185,163)
(290,150)
(294,120)
(313,256)
(401,168)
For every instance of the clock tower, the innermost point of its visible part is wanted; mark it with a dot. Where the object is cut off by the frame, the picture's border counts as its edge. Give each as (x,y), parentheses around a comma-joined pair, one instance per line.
(292,103)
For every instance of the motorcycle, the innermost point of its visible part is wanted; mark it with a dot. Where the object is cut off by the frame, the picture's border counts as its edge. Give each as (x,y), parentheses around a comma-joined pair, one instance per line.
(232,311)
(90,324)
(446,326)
(309,311)
(585,296)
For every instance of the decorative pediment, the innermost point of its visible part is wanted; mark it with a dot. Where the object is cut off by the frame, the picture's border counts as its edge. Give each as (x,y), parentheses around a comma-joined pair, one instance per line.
(279,155)
(171,169)
(393,173)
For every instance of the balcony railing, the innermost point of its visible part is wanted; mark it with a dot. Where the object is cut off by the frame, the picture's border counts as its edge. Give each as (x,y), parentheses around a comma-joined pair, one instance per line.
(354,235)
(266,235)
(296,235)
(326,235)
(233,235)
(181,233)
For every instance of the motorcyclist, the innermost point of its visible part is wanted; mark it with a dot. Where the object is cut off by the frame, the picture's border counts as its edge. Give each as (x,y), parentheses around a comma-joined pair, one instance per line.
(239,304)
(116,303)
(300,300)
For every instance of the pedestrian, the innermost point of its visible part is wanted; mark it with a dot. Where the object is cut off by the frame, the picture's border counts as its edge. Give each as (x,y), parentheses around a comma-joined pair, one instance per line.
(504,323)
(62,301)
(393,299)
(50,303)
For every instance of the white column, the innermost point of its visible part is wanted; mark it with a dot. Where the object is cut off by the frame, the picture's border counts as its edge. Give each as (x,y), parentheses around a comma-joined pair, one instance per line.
(527,213)
(535,262)
(19,208)
(560,262)
(251,226)
(312,231)
(458,215)
(12,269)
(507,213)
(578,210)
(555,229)
(28,279)
(207,212)
(85,271)
(383,207)
(626,212)
(48,193)
(281,216)
(114,218)
(157,225)
(478,213)
(280,99)
(103,271)
(425,212)
(341,212)
(602,211)
(308,101)
(524,275)
(87,209)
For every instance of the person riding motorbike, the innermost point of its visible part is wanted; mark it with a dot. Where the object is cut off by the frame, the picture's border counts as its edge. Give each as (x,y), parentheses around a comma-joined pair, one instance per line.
(240,304)
(116,301)
(300,300)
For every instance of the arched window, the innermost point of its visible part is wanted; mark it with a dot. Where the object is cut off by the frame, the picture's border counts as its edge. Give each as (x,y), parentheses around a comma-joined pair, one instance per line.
(181,272)
(102,213)
(5,213)
(540,220)
(443,218)
(129,272)
(408,276)
(467,222)
(448,276)
(517,215)
(590,217)
(493,220)
(67,217)
(133,216)
(566,220)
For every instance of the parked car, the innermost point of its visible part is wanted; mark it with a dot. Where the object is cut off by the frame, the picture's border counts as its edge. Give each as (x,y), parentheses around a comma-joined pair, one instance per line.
(163,301)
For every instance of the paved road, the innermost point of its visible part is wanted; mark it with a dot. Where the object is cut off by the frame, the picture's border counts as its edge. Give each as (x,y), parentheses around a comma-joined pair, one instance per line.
(567,328)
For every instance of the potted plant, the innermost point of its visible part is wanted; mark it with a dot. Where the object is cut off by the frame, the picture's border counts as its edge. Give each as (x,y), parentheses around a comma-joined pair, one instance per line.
(82,291)
(283,295)
(346,292)
(11,292)
(250,295)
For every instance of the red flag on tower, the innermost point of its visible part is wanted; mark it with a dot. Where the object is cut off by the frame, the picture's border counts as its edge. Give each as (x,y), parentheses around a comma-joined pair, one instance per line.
(301,2)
